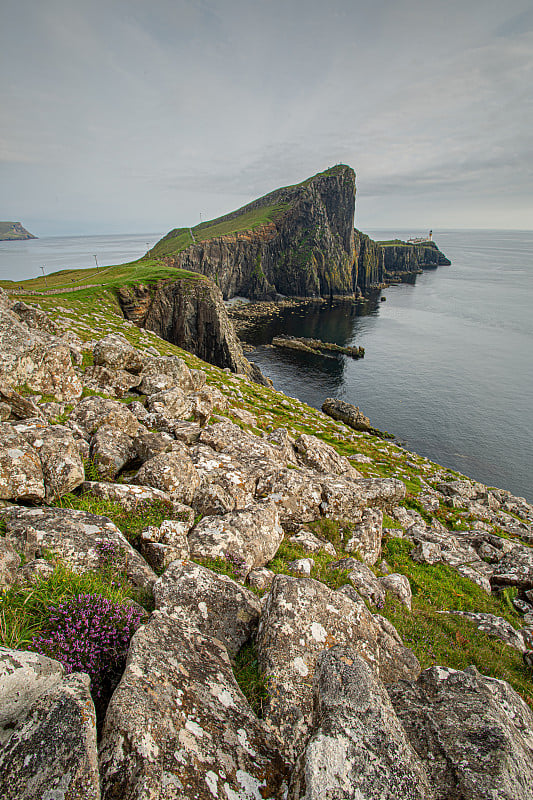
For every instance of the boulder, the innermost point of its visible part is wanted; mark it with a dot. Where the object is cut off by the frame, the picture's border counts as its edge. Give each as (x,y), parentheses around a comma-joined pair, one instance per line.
(60,458)
(34,317)
(116,353)
(226,484)
(173,473)
(148,444)
(9,563)
(165,372)
(47,730)
(346,499)
(346,413)
(296,493)
(307,540)
(362,579)
(21,474)
(205,401)
(172,403)
(398,586)
(116,382)
(396,662)
(226,437)
(111,450)
(249,537)
(358,749)
(92,413)
(214,604)
(366,536)
(76,537)
(18,405)
(322,457)
(473,733)
(179,727)
(132,497)
(301,566)
(37,360)
(515,569)
(494,626)
(164,544)
(260,578)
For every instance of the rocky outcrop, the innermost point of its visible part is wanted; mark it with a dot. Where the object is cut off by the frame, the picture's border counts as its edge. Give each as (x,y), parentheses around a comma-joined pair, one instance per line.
(188,312)
(14,230)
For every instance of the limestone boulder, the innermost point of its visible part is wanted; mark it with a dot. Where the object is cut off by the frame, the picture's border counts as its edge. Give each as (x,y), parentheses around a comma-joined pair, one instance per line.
(34,317)
(165,372)
(47,730)
(9,563)
(226,437)
(115,382)
(474,734)
(36,359)
(215,604)
(163,544)
(18,405)
(92,413)
(111,450)
(60,458)
(322,457)
(21,474)
(171,403)
(249,537)
(76,537)
(296,493)
(173,473)
(358,749)
(362,579)
(310,543)
(345,499)
(399,587)
(179,727)
(116,353)
(366,536)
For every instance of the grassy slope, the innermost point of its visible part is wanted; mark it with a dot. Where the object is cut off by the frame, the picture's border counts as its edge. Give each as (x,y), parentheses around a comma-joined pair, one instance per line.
(436,639)
(8,232)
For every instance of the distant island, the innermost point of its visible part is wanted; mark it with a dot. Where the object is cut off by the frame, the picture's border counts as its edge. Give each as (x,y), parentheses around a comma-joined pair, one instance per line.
(10,231)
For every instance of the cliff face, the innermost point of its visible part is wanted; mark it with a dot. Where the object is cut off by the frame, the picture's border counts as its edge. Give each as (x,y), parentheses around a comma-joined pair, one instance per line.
(376,262)
(14,230)
(304,246)
(190,314)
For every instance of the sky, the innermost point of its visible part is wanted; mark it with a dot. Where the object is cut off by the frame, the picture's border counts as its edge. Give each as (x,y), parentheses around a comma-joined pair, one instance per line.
(126,116)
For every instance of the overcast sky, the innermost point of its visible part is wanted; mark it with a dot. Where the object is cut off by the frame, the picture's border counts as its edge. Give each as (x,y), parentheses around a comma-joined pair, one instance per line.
(138,115)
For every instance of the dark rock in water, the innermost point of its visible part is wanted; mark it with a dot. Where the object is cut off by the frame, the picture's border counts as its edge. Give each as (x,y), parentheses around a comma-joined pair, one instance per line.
(316,346)
(346,413)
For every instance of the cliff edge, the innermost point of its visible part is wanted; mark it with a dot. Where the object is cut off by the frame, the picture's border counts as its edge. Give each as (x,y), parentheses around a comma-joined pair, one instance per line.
(10,231)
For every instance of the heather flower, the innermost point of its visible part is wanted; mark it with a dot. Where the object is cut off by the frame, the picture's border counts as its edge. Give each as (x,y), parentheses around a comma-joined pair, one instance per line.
(108,552)
(90,634)
(239,564)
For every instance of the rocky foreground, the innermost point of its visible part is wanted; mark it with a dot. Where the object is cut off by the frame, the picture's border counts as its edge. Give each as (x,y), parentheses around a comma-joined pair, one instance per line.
(96,423)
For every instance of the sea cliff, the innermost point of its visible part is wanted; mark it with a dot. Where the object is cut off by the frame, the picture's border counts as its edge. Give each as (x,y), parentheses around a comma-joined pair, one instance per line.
(14,230)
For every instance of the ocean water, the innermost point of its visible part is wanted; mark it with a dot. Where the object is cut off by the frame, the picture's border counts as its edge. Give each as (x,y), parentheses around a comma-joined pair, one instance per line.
(449,357)
(24,259)
(448,366)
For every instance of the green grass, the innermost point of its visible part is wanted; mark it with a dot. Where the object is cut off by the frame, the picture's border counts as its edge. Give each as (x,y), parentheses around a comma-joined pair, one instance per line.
(24,609)
(251,683)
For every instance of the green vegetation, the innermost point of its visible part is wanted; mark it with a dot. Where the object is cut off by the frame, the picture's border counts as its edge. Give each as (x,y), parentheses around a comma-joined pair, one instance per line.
(13,230)
(251,683)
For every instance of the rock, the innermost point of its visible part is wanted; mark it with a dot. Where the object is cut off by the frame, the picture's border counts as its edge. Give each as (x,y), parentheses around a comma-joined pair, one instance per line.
(47,730)
(21,474)
(312,544)
(138,411)
(9,563)
(76,537)
(366,536)
(343,499)
(148,444)
(494,626)
(172,403)
(399,587)
(5,411)
(34,318)
(296,493)
(165,372)
(116,353)
(38,360)
(346,413)
(186,432)
(173,473)
(179,727)
(111,450)
(199,379)
(226,437)
(363,579)
(164,544)
(61,462)
(130,496)
(321,456)
(92,413)
(18,405)
(515,569)
(300,619)
(396,662)
(260,578)
(358,749)
(250,537)
(116,382)
(302,566)
(36,570)
(226,484)
(527,658)
(427,553)
(205,401)
(473,733)
(214,604)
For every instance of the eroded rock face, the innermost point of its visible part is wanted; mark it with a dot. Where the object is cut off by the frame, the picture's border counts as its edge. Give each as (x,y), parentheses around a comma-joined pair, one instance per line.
(75,536)
(473,733)
(358,749)
(249,537)
(214,604)
(179,727)
(47,730)
(21,474)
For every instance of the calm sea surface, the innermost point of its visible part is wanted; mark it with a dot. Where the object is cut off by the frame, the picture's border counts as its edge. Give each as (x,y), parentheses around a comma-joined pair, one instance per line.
(449,358)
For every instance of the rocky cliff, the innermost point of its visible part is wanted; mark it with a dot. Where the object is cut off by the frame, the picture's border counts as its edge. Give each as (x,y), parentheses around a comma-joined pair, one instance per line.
(14,230)
(189,313)
(377,262)
(297,240)
(246,598)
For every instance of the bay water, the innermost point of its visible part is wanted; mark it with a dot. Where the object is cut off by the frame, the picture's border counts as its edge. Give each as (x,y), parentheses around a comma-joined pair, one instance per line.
(449,356)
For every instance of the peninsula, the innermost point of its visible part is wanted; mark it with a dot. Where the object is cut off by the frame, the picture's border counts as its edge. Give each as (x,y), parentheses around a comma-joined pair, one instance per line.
(10,231)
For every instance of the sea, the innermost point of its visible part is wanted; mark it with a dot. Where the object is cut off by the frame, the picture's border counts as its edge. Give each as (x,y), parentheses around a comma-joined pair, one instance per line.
(448,366)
